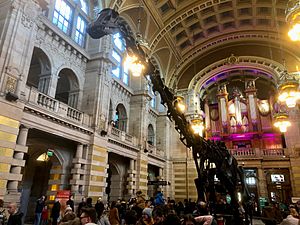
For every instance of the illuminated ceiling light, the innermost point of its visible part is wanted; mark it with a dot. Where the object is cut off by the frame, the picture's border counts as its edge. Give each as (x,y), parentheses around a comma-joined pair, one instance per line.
(179,104)
(197,126)
(281,121)
(43,157)
(134,65)
(288,90)
(293,18)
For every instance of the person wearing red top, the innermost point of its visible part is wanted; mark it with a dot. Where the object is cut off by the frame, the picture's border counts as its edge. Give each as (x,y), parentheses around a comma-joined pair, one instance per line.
(45,216)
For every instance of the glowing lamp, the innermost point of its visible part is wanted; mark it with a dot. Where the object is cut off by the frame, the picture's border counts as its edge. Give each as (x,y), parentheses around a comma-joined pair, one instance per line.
(293,18)
(281,122)
(288,91)
(134,65)
(197,126)
(179,104)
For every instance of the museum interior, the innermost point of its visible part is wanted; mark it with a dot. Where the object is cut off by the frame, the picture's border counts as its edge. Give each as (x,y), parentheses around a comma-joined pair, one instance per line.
(75,119)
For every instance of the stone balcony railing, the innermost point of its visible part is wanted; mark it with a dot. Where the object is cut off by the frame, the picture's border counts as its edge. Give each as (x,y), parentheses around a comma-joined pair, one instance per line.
(153,150)
(260,153)
(41,101)
(122,136)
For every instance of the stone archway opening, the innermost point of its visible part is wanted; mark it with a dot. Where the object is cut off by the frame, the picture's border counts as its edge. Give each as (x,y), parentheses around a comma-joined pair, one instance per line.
(121,118)
(67,89)
(47,170)
(39,74)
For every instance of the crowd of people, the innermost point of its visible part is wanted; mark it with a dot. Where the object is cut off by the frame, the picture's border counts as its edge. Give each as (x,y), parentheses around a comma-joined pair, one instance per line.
(140,211)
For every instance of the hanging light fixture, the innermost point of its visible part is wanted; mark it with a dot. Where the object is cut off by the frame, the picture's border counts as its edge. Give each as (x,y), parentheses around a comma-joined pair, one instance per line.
(288,90)
(281,121)
(179,104)
(134,65)
(198,126)
(293,18)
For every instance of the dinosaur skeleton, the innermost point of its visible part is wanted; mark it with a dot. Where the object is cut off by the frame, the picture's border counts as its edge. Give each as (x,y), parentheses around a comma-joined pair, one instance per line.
(231,175)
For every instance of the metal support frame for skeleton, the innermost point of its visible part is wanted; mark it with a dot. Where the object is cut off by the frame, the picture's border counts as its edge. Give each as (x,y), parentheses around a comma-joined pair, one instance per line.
(231,175)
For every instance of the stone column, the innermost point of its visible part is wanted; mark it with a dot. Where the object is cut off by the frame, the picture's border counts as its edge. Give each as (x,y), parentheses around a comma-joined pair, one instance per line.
(16,167)
(77,170)
(262,187)
(223,102)
(131,179)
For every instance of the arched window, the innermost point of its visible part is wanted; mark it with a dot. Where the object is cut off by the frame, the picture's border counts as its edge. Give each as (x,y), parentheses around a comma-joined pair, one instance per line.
(151,135)
(118,53)
(121,118)
(67,89)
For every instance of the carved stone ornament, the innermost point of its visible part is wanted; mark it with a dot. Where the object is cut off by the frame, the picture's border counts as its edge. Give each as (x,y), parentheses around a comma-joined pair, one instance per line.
(11,84)
(232,60)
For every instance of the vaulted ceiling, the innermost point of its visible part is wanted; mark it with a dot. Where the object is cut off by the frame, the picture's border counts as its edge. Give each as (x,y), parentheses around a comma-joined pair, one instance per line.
(186,36)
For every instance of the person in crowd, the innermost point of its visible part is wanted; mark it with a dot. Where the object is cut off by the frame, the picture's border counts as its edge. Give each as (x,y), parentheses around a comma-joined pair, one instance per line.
(88,216)
(45,215)
(297,205)
(292,219)
(159,214)
(3,214)
(70,202)
(40,203)
(68,214)
(89,202)
(159,199)
(202,215)
(122,211)
(114,218)
(55,212)
(189,220)
(102,218)
(99,205)
(172,219)
(80,206)
(130,217)
(140,202)
(146,217)
(268,215)
(179,209)
(15,217)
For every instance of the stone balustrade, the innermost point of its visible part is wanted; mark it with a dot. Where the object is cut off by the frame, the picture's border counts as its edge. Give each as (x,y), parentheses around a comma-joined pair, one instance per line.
(52,106)
(260,153)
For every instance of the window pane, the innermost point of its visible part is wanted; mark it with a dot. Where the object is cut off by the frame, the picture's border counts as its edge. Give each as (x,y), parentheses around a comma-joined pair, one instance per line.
(80,31)
(116,72)
(62,16)
(116,56)
(118,41)
(84,6)
(125,78)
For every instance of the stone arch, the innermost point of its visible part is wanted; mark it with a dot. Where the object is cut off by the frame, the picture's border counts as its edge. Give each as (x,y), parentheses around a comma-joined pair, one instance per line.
(68,88)
(39,74)
(121,119)
(114,188)
(150,135)
(271,68)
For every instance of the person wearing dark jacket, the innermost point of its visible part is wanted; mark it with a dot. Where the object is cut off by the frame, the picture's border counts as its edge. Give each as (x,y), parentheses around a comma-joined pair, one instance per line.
(40,203)
(15,217)
(70,202)
(55,212)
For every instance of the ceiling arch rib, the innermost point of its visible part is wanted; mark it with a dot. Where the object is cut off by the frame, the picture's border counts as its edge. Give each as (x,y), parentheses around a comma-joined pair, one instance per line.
(270,67)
